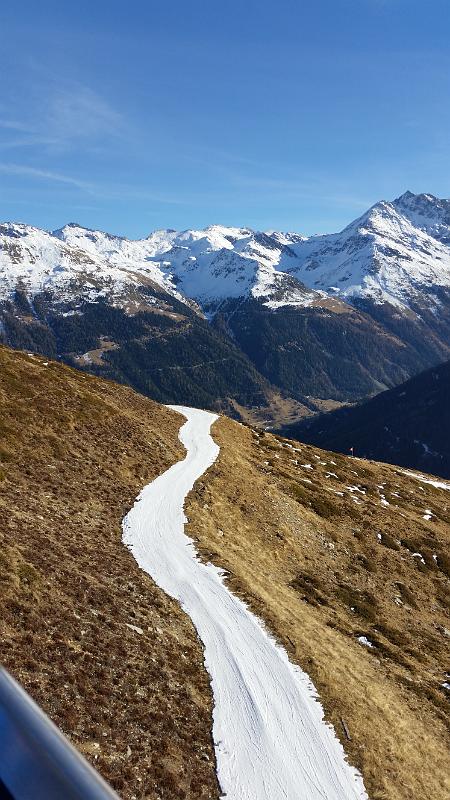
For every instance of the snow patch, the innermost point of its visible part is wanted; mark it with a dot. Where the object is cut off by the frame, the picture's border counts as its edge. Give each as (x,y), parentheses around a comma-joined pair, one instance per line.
(365,641)
(424,479)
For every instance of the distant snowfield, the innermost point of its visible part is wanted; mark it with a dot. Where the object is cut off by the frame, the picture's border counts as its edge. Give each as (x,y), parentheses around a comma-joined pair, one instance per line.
(271,740)
(424,479)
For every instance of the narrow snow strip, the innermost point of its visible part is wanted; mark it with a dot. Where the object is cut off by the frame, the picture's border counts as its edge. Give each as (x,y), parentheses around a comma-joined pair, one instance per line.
(423,479)
(271,740)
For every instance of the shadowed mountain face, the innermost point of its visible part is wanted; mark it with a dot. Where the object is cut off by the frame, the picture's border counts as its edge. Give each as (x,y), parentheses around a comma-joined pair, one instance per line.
(408,425)
(339,353)
(229,318)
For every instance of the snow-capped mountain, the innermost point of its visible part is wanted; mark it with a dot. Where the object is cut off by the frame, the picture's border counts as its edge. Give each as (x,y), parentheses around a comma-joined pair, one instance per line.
(76,265)
(209,265)
(229,315)
(395,253)
(429,213)
(221,263)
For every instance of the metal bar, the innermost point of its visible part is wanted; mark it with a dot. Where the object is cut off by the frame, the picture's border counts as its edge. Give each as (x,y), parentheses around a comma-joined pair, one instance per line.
(36,760)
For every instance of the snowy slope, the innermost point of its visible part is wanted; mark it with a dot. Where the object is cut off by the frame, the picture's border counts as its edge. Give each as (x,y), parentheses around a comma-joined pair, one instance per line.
(270,737)
(429,213)
(220,263)
(396,252)
(34,260)
(382,256)
(208,265)
(73,266)
(134,257)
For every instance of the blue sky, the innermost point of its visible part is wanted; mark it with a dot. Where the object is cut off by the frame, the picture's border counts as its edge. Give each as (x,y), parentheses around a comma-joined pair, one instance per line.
(131,116)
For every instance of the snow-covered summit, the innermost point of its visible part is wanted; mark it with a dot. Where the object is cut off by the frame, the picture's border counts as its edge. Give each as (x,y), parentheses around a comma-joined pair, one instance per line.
(382,256)
(208,265)
(219,263)
(73,263)
(396,252)
(426,212)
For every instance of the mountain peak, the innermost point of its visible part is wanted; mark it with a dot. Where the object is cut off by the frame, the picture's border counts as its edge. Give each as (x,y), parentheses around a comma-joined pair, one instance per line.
(75,234)
(406,196)
(71,226)
(411,197)
(427,212)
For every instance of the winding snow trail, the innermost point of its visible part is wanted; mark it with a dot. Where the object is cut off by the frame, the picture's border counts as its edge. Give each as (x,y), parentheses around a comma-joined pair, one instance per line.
(271,740)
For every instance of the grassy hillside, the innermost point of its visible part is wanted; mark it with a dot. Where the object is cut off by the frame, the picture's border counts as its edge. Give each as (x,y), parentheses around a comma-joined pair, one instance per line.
(109,657)
(408,425)
(346,561)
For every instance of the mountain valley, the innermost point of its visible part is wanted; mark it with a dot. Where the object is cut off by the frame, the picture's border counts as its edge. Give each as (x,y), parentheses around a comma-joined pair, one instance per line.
(408,425)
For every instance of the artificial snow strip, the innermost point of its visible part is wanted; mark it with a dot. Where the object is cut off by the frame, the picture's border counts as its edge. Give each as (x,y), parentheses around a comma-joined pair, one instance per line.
(271,739)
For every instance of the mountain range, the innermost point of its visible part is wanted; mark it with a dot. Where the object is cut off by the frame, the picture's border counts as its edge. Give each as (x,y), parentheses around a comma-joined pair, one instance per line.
(268,326)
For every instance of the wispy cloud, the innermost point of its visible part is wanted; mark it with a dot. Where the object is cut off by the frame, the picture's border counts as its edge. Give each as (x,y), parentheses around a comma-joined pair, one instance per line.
(78,112)
(102,191)
(13,125)
(44,174)
(61,118)
(294,189)
(27,141)
(265,177)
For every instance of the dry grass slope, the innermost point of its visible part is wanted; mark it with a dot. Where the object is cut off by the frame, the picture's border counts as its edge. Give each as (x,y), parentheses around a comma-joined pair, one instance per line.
(327,549)
(324,548)
(74,453)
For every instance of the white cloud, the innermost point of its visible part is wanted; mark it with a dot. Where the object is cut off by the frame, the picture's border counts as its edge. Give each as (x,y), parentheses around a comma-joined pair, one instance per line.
(78,112)
(61,118)
(34,172)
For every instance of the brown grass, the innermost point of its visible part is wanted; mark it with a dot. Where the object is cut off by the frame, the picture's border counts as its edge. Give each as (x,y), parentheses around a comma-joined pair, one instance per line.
(75,451)
(320,576)
(314,552)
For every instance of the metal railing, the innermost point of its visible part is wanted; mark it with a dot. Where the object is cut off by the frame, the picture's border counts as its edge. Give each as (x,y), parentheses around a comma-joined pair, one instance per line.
(36,760)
